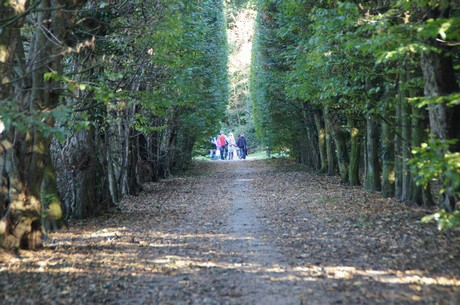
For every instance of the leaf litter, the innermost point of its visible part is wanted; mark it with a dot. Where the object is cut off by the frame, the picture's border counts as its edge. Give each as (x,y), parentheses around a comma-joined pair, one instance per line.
(242,232)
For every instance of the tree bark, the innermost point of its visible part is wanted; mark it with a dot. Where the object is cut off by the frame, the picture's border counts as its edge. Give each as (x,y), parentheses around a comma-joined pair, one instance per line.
(111,168)
(331,160)
(310,145)
(398,151)
(418,194)
(406,129)
(354,151)
(388,155)
(372,170)
(419,123)
(52,215)
(9,37)
(321,130)
(82,166)
(341,147)
(133,178)
(440,80)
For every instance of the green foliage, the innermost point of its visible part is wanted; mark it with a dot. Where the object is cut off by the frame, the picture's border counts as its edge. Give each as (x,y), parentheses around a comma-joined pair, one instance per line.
(272,110)
(434,162)
(167,68)
(57,122)
(305,53)
(449,100)
(444,219)
(35,120)
(409,27)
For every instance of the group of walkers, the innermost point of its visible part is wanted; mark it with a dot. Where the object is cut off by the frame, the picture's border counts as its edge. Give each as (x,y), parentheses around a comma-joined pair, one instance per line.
(226,147)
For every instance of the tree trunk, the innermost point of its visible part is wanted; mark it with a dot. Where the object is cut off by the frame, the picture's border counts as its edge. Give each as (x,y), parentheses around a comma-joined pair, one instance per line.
(405,144)
(51,202)
(21,226)
(77,168)
(398,151)
(124,132)
(9,37)
(388,156)
(170,146)
(155,154)
(419,123)
(331,162)
(300,146)
(341,146)
(321,130)
(372,169)
(22,222)
(354,152)
(133,180)
(110,151)
(440,80)
(312,150)
(418,194)
(310,144)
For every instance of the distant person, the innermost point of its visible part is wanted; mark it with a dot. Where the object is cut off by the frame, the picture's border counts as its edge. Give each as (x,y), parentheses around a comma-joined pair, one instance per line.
(221,142)
(212,154)
(218,147)
(243,145)
(237,147)
(231,146)
(226,148)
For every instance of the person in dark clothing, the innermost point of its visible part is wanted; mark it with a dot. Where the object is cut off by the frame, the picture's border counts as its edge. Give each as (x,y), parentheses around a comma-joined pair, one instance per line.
(243,145)
(212,154)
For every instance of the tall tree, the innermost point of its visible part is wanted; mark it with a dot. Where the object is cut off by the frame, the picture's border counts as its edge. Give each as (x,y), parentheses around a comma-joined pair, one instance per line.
(440,80)
(36,96)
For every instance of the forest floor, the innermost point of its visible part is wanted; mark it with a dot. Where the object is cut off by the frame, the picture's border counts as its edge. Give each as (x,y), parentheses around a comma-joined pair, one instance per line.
(242,232)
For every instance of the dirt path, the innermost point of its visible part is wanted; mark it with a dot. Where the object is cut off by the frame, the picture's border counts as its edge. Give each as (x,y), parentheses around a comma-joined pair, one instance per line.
(254,270)
(242,232)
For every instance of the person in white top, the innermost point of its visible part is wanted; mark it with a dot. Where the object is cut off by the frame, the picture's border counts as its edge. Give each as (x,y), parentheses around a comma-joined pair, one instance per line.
(231,146)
